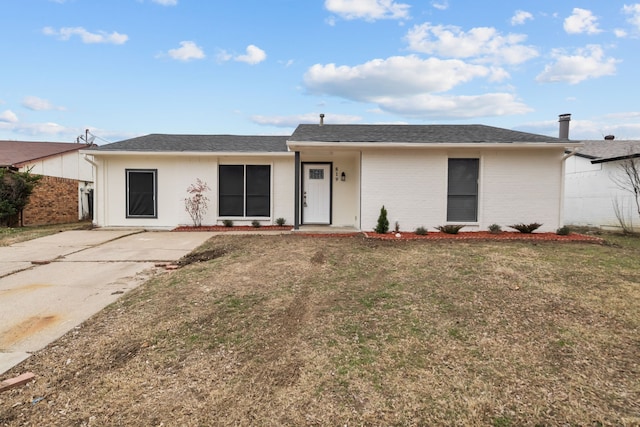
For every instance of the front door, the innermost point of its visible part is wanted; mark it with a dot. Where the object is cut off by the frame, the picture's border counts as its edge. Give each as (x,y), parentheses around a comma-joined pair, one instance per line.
(316,193)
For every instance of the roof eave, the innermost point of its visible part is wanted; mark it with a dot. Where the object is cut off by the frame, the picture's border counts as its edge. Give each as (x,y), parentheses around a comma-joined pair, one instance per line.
(615,159)
(98,153)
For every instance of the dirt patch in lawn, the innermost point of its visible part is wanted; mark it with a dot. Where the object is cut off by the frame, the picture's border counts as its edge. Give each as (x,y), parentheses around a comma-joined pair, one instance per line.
(294,330)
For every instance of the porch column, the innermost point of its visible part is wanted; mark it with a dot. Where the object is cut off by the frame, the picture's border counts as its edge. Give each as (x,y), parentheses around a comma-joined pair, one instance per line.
(296,214)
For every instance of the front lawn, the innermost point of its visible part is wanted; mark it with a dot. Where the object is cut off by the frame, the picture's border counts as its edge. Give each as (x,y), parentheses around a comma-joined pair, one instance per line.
(294,330)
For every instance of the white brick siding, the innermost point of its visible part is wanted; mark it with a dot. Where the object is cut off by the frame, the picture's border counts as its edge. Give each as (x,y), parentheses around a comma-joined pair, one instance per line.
(523,185)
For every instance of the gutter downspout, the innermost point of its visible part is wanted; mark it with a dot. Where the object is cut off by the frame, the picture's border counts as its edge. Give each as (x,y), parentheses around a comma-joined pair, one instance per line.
(95,188)
(570,154)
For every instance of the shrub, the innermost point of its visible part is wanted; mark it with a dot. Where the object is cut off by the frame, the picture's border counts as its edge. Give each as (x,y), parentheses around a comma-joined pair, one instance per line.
(227,223)
(256,224)
(383,222)
(526,228)
(281,221)
(563,231)
(421,231)
(450,228)
(495,229)
(196,204)
(15,190)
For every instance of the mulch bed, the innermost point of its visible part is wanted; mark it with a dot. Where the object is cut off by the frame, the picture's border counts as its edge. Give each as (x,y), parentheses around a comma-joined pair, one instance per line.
(436,235)
(234,228)
(485,235)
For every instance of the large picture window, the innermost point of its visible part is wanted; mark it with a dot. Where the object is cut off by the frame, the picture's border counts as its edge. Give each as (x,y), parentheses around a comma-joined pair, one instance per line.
(462,193)
(244,190)
(141,193)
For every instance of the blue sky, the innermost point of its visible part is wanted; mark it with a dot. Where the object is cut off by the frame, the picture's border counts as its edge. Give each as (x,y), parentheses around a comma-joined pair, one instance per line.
(123,68)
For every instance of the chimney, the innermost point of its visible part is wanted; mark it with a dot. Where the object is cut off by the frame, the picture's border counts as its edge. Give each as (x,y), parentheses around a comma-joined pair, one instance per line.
(609,137)
(321,119)
(564,120)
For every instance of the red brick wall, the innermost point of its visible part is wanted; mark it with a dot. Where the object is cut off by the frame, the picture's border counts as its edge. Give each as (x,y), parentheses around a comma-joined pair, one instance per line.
(53,201)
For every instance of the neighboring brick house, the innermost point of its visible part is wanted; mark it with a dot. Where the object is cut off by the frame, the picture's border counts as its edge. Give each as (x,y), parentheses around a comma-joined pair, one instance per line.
(65,192)
(337,175)
(592,194)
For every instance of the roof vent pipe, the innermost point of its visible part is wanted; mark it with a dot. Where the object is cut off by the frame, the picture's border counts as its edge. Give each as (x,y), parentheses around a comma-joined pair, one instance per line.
(609,137)
(321,119)
(564,120)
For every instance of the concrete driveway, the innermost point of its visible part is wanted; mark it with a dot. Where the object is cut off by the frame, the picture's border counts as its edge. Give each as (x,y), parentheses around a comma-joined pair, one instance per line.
(52,284)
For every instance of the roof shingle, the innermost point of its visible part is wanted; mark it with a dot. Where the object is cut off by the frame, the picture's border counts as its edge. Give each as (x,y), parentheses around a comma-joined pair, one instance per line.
(600,151)
(415,134)
(15,153)
(199,143)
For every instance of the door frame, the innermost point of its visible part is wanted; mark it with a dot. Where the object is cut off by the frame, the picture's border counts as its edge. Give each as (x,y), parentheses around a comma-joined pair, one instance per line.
(302,187)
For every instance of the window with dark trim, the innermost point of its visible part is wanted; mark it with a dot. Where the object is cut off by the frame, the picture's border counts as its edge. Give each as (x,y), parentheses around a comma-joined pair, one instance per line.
(141,193)
(462,192)
(244,190)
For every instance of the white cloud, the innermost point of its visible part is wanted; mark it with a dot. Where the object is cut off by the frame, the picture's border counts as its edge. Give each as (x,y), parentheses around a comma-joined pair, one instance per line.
(634,11)
(396,76)
(620,33)
(34,129)
(8,116)
(166,2)
(521,17)
(294,120)
(481,43)
(187,51)
(455,107)
(254,55)
(38,104)
(623,125)
(585,63)
(440,5)
(581,21)
(369,10)
(406,85)
(87,37)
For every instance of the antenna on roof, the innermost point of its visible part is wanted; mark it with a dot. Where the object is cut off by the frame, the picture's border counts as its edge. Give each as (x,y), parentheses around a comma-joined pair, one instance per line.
(87,138)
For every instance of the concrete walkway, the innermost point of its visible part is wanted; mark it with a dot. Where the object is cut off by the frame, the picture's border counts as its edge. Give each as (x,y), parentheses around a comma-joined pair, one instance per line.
(52,284)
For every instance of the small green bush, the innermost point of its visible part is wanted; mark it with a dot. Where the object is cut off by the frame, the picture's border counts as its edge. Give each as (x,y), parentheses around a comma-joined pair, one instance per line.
(526,228)
(383,222)
(563,231)
(227,223)
(450,228)
(256,224)
(495,229)
(421,231)
(281,221)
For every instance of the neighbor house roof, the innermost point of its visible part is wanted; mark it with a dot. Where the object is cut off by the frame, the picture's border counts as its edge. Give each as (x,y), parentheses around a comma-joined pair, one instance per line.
(601,151)
(414,134)
(197,143)
(17,153)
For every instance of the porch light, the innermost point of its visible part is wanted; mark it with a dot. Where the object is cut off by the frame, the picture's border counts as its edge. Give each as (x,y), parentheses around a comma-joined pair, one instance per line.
(343,177)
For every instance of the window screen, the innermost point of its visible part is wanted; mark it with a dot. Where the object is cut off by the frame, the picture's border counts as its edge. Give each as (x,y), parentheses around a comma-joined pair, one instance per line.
(462,194)
(245,190)
(141,193)
(258,190)
(231,190)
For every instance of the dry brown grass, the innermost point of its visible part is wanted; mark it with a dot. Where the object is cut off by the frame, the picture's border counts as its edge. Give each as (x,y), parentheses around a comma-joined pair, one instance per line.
(11,235)
(294,330)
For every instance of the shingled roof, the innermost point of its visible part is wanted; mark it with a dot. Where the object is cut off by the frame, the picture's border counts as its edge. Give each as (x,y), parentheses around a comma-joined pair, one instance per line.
(601,151)
(425,134)
(199,143)
(17,153)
